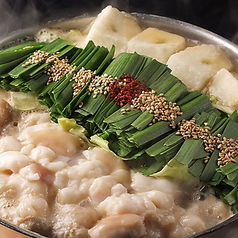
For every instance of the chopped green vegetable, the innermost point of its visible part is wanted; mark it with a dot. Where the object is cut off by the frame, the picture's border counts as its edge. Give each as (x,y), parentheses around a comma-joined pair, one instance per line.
(148,141)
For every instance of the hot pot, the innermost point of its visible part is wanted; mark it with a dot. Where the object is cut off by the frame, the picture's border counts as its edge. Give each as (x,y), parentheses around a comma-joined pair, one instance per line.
(227,229)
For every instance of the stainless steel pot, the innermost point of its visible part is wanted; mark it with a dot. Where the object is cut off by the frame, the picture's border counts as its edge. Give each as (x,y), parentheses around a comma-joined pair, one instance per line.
(227,229)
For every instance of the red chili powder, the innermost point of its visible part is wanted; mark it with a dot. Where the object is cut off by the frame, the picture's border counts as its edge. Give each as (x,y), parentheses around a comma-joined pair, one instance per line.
(126,89)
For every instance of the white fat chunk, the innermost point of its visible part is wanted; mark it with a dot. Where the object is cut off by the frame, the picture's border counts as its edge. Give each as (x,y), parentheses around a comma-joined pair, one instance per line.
(9,143)
(32,206)
(112,162)
(126,203)
(50,135)
(123,225)
(101,188)
(29,174)
(142,183)
(13,161)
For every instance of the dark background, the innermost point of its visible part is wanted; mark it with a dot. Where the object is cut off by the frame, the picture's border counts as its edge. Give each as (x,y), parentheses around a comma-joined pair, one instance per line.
(219,16)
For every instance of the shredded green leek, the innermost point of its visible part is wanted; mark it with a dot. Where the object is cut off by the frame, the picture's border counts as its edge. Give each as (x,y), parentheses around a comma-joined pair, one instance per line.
(132,135)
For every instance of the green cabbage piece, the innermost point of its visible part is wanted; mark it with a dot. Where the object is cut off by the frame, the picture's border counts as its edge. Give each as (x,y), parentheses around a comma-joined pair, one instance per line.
(26,101)
(176,170)
(72,127)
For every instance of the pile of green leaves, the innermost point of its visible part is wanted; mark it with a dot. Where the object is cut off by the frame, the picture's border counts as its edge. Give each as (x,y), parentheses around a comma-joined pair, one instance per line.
(147,148)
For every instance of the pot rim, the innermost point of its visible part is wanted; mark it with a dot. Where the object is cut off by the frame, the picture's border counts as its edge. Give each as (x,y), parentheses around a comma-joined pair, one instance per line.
(187,30)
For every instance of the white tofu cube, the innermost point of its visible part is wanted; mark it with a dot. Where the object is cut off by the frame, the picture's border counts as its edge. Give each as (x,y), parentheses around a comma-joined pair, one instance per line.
(156,43)
(223,90)
(196,65)
(113,27)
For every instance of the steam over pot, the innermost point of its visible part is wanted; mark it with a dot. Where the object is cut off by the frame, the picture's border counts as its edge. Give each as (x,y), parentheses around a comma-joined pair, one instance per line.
(218,16)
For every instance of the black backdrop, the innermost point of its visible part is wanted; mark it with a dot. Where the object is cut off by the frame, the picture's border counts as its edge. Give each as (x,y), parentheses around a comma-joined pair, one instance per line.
(219,16)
